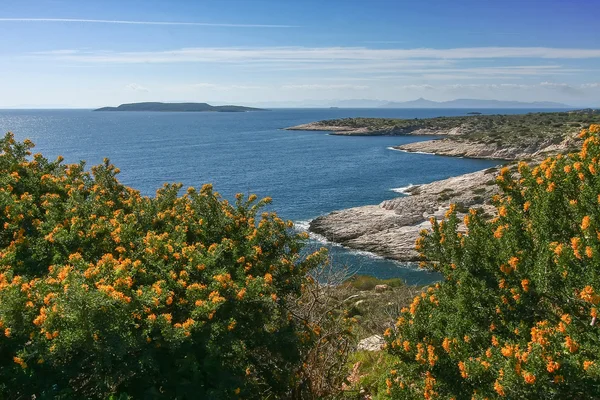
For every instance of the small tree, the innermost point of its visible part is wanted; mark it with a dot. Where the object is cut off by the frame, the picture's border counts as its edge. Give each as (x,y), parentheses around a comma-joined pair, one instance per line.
(515,316)
(106,292)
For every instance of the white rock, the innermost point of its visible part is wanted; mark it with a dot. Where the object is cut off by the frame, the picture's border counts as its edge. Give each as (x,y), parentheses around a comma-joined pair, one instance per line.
(372,343)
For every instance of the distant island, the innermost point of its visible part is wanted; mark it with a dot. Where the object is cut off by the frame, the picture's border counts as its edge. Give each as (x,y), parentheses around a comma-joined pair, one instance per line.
(178,107)
(472,103)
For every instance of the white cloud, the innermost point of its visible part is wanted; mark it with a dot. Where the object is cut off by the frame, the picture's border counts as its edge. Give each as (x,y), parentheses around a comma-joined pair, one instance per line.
(418,87)
(325,86)
(127,22)
(136,87)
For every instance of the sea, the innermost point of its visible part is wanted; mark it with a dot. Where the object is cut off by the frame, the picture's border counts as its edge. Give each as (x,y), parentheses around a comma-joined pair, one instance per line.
(306,173)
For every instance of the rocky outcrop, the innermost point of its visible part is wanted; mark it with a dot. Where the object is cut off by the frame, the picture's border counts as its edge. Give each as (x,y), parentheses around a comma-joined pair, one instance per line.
(391,228)
(472,149)
(372,343)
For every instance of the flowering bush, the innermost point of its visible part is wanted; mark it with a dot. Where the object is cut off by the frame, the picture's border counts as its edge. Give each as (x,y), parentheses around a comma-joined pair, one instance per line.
(516,314)
(105,292)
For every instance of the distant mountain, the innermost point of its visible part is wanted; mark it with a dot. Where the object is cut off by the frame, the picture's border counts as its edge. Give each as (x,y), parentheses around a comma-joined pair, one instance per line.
(178,107)
(472,103)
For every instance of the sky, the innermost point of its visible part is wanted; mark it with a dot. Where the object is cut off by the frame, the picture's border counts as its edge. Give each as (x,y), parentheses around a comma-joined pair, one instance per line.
(82,54)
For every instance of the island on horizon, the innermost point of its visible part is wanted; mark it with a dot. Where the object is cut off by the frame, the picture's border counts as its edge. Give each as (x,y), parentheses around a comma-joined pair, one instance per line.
(178,107)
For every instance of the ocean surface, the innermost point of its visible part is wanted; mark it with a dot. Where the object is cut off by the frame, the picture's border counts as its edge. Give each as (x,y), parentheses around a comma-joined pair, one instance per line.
(306,173)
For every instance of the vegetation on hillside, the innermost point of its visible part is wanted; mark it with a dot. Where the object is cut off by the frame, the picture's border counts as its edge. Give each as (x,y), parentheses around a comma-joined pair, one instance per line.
(521,129)
(108,294)
(516,315)
(104,292)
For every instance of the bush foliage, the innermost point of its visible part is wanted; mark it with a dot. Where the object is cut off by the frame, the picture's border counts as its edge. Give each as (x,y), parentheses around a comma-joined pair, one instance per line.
(104,292)
(516,314)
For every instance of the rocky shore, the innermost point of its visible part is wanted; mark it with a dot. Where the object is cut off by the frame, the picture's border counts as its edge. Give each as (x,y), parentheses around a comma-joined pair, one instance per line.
(471,149)
(391,228)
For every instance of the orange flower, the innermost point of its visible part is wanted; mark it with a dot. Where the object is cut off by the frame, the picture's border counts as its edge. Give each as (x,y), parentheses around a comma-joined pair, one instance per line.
(571,345)
(507,351)
(494,341)
(558,249)
(499,232)
(587,364)
(529,378)
(268,278)
(588,294)
(446,345)
(240,295)
(585,223)
(499,388)
(575,243)
(525,284)
(431,357)
(19,361)
(463,370)
(552,366)
(231,325)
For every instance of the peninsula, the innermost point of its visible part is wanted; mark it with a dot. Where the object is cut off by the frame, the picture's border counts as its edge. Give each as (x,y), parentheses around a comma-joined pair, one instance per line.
(503,137)
(178,107)
(390,229)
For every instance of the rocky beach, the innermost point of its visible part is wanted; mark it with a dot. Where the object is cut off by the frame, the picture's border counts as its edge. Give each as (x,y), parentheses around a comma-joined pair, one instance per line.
(390,229)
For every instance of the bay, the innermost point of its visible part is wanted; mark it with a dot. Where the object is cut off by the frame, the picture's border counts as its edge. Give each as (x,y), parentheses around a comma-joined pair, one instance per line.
(306,173)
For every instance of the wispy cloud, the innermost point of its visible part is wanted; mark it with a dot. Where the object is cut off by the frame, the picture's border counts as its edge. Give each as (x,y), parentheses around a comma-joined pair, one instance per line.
(327,54)
(216,86)
(383,41)
(127,22)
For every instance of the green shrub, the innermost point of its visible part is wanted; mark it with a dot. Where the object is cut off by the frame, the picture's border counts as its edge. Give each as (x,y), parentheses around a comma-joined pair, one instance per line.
(105,293)
(516,314)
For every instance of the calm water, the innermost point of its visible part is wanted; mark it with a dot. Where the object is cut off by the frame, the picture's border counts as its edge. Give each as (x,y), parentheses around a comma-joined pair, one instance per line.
(306,173)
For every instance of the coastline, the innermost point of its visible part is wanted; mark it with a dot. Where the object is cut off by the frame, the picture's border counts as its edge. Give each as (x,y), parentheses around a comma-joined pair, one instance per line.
(491,151)
(390,229)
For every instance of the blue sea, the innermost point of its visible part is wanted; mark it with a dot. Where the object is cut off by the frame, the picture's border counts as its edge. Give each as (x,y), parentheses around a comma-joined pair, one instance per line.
(306,173)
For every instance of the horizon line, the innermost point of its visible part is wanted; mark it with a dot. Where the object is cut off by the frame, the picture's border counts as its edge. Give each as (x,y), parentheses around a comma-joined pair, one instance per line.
(130,22)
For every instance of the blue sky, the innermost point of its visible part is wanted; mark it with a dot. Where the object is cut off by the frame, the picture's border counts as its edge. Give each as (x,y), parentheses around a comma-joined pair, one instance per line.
(64,53)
